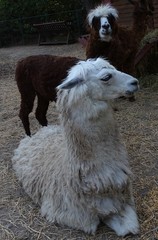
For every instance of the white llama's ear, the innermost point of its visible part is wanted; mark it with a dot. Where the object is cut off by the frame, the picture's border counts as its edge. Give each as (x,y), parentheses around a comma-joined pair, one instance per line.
(70,84)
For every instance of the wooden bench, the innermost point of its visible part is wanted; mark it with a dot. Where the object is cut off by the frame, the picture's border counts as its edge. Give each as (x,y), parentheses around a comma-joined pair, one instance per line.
(54,33)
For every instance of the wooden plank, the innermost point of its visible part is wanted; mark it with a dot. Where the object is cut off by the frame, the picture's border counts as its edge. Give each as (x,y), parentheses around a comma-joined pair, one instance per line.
(125,10)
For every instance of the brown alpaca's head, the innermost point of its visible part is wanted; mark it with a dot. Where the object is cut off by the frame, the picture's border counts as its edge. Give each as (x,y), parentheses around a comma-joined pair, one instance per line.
(102,22)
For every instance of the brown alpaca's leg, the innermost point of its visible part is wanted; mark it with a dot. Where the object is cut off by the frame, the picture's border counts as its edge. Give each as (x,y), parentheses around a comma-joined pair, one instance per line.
(41,110)
(26,107)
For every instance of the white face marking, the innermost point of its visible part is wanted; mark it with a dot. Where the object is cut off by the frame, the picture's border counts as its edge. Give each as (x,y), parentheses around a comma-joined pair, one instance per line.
(105,30)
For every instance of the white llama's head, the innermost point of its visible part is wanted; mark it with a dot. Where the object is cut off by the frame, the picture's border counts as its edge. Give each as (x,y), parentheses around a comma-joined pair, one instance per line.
(97,80)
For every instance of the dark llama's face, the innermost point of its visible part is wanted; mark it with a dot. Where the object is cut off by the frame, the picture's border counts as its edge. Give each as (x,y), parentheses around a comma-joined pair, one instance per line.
(105,26)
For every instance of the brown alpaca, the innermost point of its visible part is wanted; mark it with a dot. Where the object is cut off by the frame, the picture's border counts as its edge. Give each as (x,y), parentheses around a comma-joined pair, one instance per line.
(119,45)
(40,75)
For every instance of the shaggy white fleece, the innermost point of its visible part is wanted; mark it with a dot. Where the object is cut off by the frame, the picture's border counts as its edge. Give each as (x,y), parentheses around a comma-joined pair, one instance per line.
(78,172)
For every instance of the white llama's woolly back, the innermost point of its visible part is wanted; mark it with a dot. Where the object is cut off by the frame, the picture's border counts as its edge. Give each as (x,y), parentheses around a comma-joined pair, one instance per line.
(78,172)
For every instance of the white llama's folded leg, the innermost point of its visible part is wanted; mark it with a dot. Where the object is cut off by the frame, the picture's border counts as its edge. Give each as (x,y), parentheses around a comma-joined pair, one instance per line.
(125,222)
(76,217)
(88,224)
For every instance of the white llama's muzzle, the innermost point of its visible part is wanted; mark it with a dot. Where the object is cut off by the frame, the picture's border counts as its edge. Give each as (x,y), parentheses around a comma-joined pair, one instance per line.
(133,87)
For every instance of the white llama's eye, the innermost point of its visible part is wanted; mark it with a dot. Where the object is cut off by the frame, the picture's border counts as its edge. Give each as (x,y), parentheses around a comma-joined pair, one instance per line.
(106,77)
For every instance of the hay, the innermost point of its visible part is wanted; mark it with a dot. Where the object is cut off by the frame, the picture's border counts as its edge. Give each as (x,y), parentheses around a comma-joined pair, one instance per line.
(20,218)
(149,81)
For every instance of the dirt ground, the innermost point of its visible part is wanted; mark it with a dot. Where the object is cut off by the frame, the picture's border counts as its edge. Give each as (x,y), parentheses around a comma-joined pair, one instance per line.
(138,122)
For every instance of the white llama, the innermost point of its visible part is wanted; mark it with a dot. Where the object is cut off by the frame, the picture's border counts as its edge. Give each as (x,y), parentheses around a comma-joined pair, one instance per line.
(78,172)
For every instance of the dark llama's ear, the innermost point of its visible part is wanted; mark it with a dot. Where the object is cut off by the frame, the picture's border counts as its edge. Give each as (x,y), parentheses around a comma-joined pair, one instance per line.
(70,84)
(113,22)
(96,23)
(111,17)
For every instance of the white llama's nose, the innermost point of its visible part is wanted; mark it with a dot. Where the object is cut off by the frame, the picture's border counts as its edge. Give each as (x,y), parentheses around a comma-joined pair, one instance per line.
(134,83)
(133,86)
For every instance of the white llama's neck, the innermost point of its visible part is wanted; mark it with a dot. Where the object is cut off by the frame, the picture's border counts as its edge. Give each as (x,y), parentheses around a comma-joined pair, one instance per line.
(86,130)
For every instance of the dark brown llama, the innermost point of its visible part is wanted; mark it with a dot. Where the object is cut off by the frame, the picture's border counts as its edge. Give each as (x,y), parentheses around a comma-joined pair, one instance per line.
(39,76)
(119,45)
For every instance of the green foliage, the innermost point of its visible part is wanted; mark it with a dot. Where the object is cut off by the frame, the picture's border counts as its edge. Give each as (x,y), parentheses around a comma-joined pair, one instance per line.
(10,9)
(18,16)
